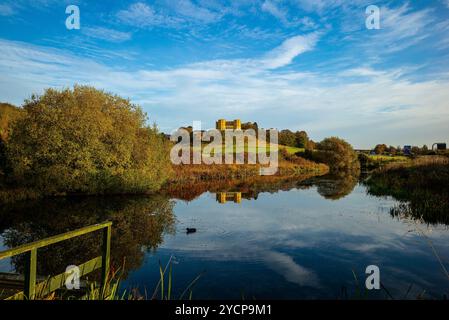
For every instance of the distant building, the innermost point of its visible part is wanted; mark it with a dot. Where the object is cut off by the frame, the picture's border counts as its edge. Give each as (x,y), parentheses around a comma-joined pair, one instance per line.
(439,146)
(407,150)
(222,124)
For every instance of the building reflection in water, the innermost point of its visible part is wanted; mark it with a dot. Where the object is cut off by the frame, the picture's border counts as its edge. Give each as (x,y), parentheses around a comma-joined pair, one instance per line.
(223,197)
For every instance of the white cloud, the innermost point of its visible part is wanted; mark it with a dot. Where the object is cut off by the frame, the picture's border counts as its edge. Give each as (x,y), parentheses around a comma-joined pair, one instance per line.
(402,23)
(272,8)
(6,10)
(318,6)
(172,15)
(106,34)
(401,28)
(188,9)
(290,48)
(142,15)
(252,89)
(288,20)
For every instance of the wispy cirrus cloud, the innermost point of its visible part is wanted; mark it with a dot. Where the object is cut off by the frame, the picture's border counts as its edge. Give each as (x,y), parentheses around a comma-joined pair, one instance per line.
(275,10)
(289,49)
(191,11)
(140,14)
(318,6)
(246,88)
(285,17)
(171,15)
(106,34)
(6,10)
(401,27)
(13,7)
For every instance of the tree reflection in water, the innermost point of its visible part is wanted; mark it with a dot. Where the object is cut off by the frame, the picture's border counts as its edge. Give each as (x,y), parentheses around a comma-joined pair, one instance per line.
(139,224)
(337,185)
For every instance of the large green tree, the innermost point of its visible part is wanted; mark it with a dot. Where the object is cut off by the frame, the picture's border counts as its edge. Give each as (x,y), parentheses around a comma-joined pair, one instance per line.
(380,148)
(84,140)
(302,139)
(8,114)
(287,138)
(337,154)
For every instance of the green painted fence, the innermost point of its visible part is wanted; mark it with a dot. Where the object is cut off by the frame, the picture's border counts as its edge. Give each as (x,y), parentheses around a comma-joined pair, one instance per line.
(56,282)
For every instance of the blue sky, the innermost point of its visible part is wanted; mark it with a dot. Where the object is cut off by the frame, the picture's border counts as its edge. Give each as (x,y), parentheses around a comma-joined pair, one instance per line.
(298,64)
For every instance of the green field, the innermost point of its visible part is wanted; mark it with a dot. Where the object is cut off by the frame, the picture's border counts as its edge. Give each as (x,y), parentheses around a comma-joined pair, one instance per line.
(234,149)
(385,158)
(292,150)
(369,161)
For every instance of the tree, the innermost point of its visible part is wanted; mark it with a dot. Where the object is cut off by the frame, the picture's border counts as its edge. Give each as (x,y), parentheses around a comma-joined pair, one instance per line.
(86,141)
(311,145)
(380,149)
(8,115)
(287,138)
(250,125)
(337,154)
(416,150)
(392,150)
(302,140)
(342,184)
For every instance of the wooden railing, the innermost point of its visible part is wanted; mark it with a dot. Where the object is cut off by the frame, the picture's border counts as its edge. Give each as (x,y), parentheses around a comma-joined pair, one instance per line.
(56,282)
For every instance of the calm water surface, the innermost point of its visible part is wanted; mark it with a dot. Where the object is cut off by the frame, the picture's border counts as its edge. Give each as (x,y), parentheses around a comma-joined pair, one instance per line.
(300,243)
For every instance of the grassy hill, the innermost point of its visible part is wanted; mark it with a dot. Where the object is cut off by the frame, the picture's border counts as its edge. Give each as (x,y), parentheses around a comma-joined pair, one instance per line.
(252,149)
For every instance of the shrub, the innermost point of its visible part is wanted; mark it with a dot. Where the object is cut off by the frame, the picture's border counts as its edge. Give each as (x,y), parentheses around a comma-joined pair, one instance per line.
(84,140)
(8,114)
(337,154)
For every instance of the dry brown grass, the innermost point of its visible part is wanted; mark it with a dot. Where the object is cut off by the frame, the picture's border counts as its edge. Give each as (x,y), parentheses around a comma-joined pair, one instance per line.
(219,172)
(419,161)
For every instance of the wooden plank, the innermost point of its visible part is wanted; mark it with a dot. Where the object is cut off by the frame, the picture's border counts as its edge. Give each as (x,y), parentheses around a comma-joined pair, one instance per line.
(106,256)
(30,275)
(54,283)
(52,240)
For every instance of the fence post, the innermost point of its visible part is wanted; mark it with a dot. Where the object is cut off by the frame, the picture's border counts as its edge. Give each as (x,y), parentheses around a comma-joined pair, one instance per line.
(105,257)
(30,274)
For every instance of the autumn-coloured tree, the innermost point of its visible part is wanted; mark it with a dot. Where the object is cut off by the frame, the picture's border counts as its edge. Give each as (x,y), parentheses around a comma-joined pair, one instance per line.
(380,148)
(287,138)
(337,154)
(302,139)
(8,114)
(84,140)
(392,150)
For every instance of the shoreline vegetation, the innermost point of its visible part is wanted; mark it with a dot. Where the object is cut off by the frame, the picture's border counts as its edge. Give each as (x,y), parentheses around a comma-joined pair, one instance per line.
(419,184)
(84,141)
(289,166)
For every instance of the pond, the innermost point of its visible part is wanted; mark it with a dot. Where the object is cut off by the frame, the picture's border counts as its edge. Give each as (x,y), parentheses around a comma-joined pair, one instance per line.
(308,239)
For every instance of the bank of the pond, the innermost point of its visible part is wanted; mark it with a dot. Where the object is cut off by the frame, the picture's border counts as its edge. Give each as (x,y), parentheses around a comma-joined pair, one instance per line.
(215,172)
(370,162)
(294,168)
(420,184)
